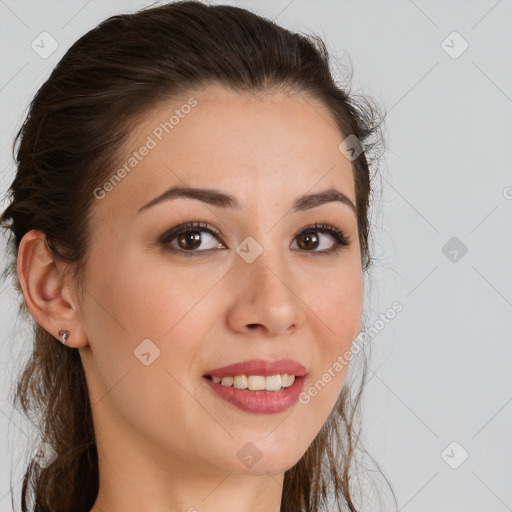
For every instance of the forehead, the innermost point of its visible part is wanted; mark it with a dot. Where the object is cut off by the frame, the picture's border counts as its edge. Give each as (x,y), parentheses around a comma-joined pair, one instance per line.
(252,146)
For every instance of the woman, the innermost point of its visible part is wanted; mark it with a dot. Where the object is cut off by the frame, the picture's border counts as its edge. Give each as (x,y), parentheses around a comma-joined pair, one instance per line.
(189,219)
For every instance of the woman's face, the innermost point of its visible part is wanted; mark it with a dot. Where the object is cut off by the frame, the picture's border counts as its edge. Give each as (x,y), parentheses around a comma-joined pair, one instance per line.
(162,312)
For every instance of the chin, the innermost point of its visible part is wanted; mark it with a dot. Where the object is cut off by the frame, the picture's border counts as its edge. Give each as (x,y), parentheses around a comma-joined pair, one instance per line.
(265,468)
(250,460)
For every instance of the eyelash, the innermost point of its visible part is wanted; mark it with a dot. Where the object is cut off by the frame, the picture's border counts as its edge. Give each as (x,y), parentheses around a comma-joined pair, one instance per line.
(341,240)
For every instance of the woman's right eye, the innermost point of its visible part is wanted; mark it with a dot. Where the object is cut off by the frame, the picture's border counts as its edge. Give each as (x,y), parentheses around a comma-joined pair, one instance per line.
(188,238)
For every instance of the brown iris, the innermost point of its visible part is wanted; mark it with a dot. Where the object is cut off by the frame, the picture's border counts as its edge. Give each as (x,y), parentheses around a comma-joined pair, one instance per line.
(307,238)
(192,237)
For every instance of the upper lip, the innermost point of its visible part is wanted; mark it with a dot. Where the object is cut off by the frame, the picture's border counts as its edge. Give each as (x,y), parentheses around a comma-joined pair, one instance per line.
(260,367)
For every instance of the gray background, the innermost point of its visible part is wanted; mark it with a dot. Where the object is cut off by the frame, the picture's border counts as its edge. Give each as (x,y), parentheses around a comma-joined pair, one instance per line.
(441,370)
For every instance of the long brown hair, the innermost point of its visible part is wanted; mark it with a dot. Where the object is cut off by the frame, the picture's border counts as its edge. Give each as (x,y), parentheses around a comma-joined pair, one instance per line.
(68,145)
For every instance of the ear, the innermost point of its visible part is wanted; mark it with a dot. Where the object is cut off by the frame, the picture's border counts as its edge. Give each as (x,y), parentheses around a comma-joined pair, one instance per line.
(48,293)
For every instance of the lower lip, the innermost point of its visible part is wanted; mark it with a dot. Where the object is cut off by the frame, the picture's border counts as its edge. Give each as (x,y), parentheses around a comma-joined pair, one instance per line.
(259,402)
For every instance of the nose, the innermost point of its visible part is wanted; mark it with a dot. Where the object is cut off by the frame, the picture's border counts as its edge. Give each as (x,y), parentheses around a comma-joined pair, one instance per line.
(266,298)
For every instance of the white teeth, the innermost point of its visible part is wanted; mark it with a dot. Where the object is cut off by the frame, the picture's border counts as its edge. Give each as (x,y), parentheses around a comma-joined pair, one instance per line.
(240,382)
(290,378)
(257,382)
(273,382)
(227,381)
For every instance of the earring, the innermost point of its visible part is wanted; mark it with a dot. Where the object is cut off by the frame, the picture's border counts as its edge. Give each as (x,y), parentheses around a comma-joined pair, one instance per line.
(63,335)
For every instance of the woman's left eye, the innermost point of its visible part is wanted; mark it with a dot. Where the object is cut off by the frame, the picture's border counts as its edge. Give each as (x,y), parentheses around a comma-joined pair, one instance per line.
(189,239)
(309,236)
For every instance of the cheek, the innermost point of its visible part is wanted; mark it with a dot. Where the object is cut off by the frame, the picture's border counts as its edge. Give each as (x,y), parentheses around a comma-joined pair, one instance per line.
(129,299)
(135,301)
(336,307)
(149,297)
(336,314)
(152,299)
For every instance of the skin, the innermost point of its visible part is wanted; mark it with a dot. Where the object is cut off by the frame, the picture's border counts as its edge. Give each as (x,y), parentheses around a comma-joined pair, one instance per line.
(166,442)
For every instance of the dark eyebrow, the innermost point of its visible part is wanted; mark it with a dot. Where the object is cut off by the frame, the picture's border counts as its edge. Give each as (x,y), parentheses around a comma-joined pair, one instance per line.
(223,200)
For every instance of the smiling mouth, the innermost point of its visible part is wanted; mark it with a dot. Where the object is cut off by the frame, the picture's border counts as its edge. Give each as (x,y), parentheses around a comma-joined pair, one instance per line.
(260,399)
(255,382)
(258,386)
